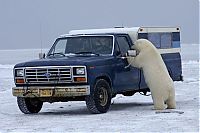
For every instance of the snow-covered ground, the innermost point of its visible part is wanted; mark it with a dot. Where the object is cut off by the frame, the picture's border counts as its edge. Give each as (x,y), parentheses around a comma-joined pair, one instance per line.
(127,114)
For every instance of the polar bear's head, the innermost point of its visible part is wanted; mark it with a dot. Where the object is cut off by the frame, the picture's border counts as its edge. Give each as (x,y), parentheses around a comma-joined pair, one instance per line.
(142,44)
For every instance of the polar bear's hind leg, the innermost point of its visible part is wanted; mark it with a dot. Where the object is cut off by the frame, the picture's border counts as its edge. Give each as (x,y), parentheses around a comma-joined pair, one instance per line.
(159,103)
(171,103)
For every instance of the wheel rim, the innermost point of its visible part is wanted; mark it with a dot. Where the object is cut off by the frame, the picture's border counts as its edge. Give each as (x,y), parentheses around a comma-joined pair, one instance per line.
(34,103)
(103,96)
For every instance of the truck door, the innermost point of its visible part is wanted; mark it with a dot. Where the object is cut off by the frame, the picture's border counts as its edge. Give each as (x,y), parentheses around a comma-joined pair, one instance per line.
(126,78)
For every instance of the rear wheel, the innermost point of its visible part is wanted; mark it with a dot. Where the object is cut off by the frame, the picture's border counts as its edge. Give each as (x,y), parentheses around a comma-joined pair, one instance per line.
(29,105)
(100,101)
(129,93)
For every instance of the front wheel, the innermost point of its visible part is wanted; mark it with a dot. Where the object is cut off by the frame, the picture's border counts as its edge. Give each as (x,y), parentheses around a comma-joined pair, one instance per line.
(100,100)
(29,105)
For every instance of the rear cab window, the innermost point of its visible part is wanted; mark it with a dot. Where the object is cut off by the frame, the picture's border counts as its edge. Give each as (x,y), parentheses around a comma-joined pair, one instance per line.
(163,40)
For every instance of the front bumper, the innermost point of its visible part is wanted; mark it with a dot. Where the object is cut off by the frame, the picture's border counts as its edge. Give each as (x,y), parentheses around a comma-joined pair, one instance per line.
(58,91)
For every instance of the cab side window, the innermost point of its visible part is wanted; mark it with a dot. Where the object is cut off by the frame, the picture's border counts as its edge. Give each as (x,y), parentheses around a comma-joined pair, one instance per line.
(123,44)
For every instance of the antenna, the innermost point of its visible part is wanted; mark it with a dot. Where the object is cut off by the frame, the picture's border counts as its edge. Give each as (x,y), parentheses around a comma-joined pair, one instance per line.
(41,35)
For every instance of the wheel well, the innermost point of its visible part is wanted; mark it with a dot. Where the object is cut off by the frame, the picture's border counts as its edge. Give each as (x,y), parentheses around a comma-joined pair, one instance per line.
(107,79)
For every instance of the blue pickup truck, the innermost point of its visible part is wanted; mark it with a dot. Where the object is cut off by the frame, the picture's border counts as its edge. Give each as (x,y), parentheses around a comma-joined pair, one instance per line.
(88,65)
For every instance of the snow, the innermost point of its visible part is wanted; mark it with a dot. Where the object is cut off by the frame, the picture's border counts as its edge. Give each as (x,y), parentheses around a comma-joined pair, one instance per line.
(127,114)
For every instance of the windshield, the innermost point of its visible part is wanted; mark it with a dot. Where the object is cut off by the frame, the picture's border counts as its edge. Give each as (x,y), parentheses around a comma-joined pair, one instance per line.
(96,45)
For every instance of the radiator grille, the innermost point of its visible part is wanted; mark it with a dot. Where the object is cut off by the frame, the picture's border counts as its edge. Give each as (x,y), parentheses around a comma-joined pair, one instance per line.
(48,75)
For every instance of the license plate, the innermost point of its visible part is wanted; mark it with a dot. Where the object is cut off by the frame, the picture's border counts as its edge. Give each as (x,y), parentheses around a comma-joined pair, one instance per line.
(45,93)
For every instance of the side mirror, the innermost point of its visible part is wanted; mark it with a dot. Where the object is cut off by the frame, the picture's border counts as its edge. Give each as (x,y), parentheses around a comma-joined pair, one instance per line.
(132,53)
(41,55)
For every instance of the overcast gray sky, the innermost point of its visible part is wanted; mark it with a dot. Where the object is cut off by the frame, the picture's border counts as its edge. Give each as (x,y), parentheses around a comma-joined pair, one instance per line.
(20,20)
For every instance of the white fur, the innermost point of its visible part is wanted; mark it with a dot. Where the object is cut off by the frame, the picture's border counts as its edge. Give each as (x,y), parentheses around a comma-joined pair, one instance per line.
(156,74)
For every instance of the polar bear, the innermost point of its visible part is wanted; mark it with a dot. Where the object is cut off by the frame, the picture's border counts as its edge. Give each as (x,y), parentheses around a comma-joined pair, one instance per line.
(155,73)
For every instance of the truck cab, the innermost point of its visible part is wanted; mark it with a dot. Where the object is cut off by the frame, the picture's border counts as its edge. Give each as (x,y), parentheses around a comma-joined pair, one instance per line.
(88,65)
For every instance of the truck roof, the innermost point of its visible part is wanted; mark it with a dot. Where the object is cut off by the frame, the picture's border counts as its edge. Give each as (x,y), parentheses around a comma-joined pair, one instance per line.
(132,31)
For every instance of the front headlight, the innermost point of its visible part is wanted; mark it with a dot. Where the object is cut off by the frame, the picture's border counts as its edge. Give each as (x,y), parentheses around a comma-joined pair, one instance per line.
(79,74)
(19,73)
(80,71)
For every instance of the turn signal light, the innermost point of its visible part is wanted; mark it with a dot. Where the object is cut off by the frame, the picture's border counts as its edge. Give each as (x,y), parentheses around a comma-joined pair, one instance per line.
(80,79)
(20,81)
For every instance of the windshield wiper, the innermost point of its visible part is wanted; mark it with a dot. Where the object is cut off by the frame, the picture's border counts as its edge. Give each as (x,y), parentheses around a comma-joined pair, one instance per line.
(92,53)
(56,53)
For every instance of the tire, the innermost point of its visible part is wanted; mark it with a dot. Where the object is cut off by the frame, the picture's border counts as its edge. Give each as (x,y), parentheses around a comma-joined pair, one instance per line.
(29,105)
(100,100)
(129,93)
